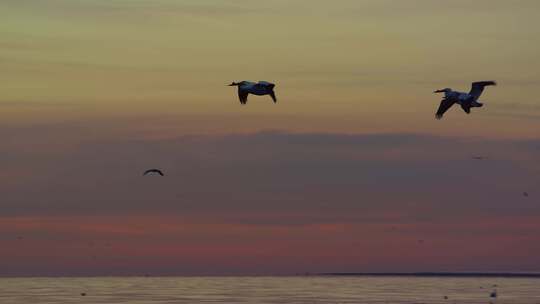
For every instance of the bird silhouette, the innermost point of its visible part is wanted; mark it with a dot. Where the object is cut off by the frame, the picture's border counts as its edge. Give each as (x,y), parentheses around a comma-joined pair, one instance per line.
(151,171)
(261,88)
(465,100)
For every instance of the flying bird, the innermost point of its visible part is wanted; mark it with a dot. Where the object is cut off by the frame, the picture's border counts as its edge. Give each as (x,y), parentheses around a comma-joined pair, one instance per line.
(151,171)
(260,88)
(465,100)
(479,157)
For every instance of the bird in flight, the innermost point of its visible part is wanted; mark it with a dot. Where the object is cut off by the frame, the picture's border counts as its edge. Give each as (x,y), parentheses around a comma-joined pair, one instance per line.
(479,157)
(260,88)
(152,171)
(465,100)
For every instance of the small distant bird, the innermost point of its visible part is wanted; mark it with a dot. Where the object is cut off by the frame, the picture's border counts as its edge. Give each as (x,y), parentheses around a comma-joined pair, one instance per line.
(83,294)
(261,88)
(151,171)
(465,100)
(526,194)
(493,294)
(479,157)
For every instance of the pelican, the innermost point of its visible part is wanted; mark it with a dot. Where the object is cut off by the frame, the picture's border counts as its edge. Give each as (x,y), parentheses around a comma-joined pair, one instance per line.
(465,100)
(261,88)
(150,171)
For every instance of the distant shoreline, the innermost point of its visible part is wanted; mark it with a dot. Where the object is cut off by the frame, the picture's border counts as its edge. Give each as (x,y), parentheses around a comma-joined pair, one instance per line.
(435,274)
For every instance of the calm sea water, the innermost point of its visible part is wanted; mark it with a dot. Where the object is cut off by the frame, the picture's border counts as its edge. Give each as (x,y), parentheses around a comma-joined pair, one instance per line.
(268,290)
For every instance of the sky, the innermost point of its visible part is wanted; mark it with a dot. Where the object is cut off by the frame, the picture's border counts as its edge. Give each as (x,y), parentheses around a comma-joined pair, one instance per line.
(348,172)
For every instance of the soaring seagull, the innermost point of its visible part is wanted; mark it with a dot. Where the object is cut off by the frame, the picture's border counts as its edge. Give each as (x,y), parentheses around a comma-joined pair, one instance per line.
(465,100)
(260,88)
(150,171)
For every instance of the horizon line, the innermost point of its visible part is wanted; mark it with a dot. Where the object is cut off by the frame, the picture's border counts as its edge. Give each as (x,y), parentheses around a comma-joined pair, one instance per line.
(305,274)
(438,274)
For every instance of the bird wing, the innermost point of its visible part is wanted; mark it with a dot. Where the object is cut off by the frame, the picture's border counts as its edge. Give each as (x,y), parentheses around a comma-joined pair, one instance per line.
(242,95)
(273,95)
(478,87)
(153,171)
(446,104)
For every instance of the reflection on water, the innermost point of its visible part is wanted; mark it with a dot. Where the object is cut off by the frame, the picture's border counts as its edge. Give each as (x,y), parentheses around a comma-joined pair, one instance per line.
(268,290)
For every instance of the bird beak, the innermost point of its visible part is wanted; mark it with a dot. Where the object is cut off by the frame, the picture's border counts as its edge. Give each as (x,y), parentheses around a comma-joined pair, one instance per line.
(438,91)
(232,84)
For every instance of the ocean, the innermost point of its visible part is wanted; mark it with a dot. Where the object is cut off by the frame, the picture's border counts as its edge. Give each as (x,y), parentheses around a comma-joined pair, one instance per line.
(299,289)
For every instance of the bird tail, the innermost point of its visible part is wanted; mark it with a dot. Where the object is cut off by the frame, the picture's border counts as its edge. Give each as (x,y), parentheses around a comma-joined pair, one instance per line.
(477,104)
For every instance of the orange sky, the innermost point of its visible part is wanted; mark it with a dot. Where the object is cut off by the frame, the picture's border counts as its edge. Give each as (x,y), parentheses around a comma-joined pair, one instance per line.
(94,92)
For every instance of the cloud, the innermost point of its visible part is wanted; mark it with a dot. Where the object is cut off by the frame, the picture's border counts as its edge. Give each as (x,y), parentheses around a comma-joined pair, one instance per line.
(297,201)
(120,245)
(72,170)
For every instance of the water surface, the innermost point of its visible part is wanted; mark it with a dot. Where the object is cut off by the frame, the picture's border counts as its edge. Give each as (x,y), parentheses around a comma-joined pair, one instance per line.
(314,289)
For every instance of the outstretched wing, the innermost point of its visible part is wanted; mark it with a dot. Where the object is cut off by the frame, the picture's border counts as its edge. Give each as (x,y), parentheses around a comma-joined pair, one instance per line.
(478,87)
(273,95)
(243,96)
(153,171)
(446,104)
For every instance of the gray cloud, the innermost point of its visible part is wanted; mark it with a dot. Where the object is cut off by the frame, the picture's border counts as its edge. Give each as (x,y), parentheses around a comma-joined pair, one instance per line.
(417,177)
(292,200)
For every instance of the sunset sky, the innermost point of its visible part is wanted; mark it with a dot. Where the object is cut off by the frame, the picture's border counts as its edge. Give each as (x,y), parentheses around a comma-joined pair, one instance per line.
(347,172)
